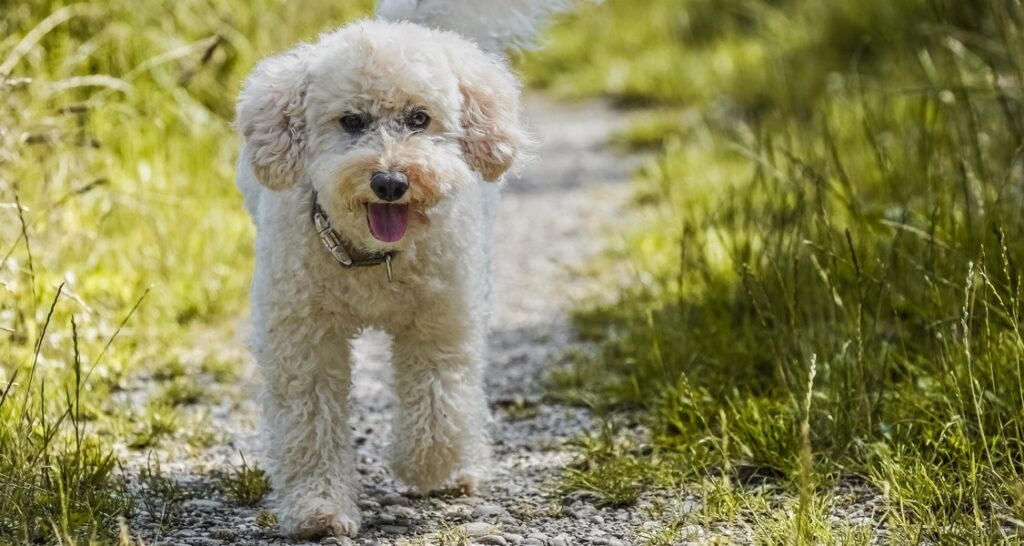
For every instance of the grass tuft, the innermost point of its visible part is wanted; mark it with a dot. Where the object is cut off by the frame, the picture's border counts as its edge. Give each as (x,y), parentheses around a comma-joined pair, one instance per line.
(449,536)
(182,391)
(158,422)
(246,485)
(266,519)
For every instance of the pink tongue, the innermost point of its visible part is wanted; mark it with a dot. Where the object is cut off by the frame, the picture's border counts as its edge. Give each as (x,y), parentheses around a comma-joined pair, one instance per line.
(387,222)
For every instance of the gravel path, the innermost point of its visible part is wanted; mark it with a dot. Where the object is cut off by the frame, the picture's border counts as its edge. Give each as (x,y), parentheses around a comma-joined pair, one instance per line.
(548,227)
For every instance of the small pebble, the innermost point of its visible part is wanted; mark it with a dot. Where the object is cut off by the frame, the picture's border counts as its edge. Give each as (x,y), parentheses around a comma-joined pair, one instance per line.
(367,504)
(204,541)
(456,512)
(394,499)
(404,512)
(596,519)
(478,528)
(496,540)
(691,531)
(394,529)
(488,511)
(201,504)
(513,538)
(221,533)
(689,506)
(532,542)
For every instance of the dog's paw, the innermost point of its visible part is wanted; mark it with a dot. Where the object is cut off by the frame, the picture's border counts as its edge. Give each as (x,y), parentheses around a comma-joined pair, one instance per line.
(468,483)
(323,518)
(467,486)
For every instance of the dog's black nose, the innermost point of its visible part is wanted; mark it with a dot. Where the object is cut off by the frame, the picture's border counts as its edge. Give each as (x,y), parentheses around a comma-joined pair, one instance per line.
(389,186)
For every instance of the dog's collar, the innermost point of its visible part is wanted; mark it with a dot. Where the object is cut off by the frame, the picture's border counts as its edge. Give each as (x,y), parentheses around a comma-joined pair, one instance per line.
(342,252)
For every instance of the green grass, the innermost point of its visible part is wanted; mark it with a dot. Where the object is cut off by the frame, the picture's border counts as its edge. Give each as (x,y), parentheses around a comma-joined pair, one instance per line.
(116,183)
(836,183)
(182,391)
(246,485)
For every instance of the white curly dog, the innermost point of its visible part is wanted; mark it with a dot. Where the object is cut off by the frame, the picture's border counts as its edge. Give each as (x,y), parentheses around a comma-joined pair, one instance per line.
(363,166)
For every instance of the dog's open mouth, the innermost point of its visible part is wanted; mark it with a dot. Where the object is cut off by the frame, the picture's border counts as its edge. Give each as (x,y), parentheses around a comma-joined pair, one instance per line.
(387,222)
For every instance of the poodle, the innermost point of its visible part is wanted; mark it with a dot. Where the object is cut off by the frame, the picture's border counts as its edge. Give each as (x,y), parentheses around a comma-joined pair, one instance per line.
(368,165)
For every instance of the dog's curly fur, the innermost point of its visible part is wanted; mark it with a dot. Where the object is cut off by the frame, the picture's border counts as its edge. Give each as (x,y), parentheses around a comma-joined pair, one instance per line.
(307,309)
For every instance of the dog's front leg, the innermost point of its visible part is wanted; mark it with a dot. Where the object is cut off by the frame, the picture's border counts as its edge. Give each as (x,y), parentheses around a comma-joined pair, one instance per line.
(440,429)
(306,406)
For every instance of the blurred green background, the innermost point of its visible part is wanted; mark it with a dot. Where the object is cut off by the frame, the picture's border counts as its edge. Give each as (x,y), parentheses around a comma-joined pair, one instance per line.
(825,282)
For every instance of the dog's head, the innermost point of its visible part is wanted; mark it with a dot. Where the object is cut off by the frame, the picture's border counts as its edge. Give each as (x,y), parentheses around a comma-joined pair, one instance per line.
(384,120)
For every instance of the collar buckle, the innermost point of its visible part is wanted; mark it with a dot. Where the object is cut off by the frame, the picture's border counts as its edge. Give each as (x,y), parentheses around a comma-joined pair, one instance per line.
(330,239)
(341,252)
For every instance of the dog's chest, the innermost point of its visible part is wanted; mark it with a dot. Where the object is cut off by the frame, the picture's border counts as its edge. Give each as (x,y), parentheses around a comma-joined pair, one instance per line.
(367,297)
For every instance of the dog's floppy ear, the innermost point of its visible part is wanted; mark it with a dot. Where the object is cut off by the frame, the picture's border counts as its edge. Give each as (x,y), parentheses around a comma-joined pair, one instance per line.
(493,132)
(271,120)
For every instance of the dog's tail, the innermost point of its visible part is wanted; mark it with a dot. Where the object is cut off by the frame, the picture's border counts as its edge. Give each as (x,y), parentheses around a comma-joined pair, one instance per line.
(495,25)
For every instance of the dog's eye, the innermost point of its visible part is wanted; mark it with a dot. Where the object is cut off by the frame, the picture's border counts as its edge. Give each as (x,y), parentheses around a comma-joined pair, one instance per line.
(353,123)
(419,120)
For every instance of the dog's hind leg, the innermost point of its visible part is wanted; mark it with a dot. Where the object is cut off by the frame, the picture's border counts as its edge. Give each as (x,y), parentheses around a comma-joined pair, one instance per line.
(440,431)
(307,371)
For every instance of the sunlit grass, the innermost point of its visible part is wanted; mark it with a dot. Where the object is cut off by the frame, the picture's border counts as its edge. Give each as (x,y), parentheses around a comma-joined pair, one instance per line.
(836,183)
